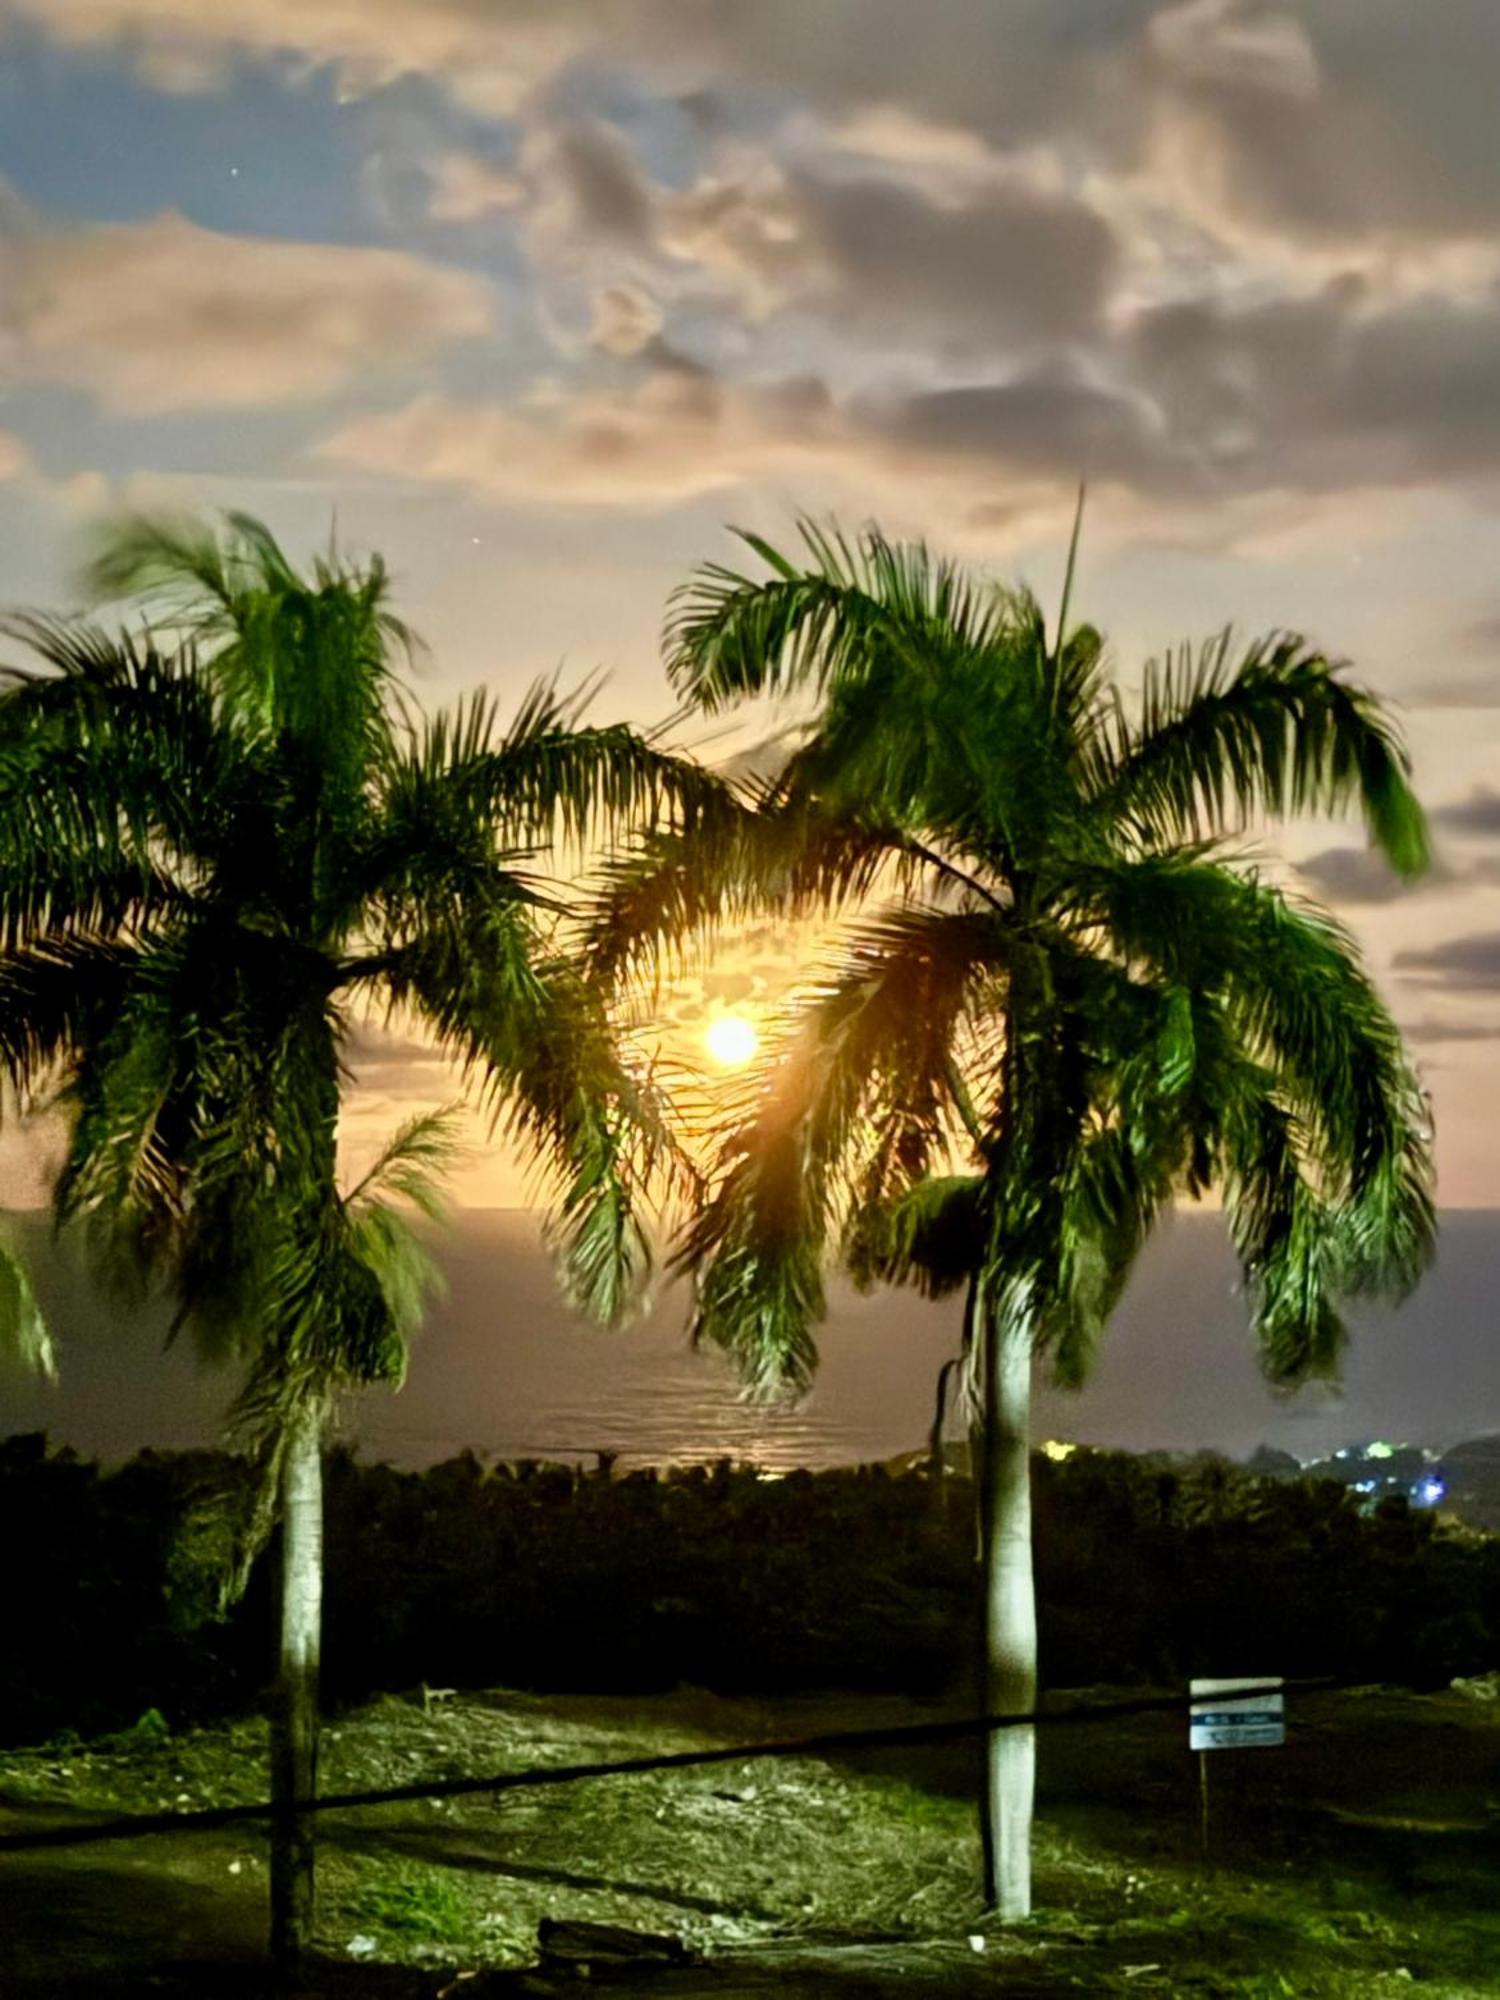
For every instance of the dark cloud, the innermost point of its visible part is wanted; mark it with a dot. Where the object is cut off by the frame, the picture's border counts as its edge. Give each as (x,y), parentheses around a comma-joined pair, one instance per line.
(1322,393)
(1478,815)
(1397,134)
(974,260)
(1451,1031)
(367,1044)
(1428,376)
(1033,67)
(609,192)
(1048,419)
(1469,963)
(1201,401)
(1360,875)
(1013,261)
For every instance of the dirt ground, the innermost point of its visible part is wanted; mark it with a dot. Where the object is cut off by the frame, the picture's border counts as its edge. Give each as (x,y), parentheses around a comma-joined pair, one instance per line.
(1361,1860)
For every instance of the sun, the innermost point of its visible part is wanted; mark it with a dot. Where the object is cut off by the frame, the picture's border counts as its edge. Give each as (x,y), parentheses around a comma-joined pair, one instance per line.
(731,1040)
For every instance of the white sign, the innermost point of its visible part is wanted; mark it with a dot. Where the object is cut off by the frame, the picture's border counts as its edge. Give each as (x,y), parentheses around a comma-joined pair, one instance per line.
(1224,1718)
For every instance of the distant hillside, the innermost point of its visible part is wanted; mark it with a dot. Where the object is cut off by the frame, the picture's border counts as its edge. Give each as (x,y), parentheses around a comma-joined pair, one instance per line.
(503,1368)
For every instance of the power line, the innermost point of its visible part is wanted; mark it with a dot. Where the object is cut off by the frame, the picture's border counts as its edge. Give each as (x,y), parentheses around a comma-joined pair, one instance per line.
(209,1819)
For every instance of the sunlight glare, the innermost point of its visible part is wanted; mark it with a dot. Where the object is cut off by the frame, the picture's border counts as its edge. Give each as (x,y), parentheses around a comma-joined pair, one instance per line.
(731,1040)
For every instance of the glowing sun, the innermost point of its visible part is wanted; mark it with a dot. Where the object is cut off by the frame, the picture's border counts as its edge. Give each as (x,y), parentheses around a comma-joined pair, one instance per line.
(731,1040)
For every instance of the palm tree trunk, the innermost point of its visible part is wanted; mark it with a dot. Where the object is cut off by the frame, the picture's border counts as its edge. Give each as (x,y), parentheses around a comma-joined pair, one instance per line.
(937,1463)
(294,1727)
(1002,1451)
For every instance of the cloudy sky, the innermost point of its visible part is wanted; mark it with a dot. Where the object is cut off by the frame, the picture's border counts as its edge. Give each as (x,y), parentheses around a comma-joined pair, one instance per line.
(535,297)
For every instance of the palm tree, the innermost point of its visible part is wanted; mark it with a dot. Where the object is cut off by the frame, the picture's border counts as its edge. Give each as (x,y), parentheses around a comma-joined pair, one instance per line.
(224,839)
(1078,1003)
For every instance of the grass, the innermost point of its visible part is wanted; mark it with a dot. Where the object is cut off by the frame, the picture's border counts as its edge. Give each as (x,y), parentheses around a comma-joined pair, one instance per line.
(1357,1864)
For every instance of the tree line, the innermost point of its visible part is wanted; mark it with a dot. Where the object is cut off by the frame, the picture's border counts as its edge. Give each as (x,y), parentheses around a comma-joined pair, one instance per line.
(709,1576)
(1063,996)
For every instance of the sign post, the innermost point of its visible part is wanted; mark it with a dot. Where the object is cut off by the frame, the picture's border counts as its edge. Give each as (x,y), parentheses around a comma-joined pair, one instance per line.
(1244,1714)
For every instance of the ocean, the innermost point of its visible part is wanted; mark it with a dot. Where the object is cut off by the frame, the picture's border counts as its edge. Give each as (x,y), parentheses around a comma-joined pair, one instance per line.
(504,1371)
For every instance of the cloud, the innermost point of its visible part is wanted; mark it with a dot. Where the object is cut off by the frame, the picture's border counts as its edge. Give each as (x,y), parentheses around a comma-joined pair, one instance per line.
(981,312)
(744,229)
(977,255)
(1465,964)
(1050,420)
(398,1068)
(1335,122)
(674,437)
(75,496)
(1361,875)
(1477,816)
(681,433)
(1220,42)
(1010,261)
(1479,691)
(626,320)
(15,459)
(463,187)
(491,56)
(1325,392)
(1482,634)
(609,193)
(1451,1031)
(1391,141)
(1020,245)
(164,315)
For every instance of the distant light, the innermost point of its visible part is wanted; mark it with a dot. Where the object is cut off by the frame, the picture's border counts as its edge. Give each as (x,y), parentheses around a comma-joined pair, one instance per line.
(1430,1490)
(1380,1451)
(1055,1449)
(731,1040)
(1364,1485)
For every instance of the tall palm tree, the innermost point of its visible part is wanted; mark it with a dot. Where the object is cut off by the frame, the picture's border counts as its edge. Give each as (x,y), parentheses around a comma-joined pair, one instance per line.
(224,838)
(1078,1003)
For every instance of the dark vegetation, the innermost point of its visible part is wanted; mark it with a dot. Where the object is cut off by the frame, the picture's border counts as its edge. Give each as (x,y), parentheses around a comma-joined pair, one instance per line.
(546,1577)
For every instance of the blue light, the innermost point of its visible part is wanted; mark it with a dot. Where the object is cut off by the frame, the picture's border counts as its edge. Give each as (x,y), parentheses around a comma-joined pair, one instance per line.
(1429,1490)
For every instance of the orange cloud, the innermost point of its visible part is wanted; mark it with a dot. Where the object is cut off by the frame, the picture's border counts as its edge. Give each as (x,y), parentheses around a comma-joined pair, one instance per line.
(164,315)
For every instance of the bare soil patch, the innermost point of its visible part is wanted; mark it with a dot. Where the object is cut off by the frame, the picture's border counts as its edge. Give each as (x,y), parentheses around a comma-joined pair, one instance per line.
(1363,1860)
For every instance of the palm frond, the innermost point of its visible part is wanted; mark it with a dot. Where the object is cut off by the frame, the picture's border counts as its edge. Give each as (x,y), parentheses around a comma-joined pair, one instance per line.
(551,774)
(771,853)
(1220,741)
(310,662)
(25,1338)
(109,767)
(537,1042)
(56,998)
(730,635)
(869,1049)
(414,1165)
(933,1235)
(1290,978)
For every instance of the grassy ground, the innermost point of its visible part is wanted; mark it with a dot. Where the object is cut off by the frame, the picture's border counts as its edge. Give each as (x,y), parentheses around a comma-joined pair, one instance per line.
(1362,1860)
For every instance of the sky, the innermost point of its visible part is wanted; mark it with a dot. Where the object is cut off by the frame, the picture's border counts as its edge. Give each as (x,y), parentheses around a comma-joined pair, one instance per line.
(535,298)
